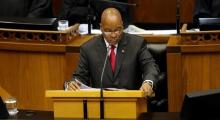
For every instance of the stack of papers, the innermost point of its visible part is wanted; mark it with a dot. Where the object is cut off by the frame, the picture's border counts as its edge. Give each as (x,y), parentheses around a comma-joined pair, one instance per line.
(85,87)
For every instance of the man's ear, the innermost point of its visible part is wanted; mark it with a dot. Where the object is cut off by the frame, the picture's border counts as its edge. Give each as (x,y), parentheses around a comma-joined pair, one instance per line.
(100,24)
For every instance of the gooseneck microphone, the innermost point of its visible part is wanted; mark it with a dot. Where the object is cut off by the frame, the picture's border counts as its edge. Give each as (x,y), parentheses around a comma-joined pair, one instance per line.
(101,87)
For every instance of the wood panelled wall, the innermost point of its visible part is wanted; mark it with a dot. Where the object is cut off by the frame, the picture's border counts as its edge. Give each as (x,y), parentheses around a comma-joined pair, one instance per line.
(153,11)
(57,7)
(162,11)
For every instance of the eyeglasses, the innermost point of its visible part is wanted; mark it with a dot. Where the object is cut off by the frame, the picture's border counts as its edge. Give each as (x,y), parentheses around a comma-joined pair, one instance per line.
(118,31)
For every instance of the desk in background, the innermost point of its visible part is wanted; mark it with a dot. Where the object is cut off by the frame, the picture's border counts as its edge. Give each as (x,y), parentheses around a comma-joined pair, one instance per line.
(193,61)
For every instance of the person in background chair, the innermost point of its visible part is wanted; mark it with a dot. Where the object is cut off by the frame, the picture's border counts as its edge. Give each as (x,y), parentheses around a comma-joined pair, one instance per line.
(26,8)
(129,65)
(77,11)
(206,9)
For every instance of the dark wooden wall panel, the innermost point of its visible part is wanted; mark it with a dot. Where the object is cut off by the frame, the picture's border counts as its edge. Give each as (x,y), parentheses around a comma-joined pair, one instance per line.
(154,11)
(57,6)
(187,10)
(161,11)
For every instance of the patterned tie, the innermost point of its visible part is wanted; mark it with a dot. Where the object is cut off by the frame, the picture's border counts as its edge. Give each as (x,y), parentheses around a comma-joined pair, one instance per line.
(112,58)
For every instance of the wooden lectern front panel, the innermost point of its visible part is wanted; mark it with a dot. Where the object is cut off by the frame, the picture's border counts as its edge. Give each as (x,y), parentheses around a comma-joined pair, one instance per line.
(117,104)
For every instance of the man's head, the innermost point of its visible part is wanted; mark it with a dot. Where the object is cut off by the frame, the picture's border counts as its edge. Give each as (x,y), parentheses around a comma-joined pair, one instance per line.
(111,25)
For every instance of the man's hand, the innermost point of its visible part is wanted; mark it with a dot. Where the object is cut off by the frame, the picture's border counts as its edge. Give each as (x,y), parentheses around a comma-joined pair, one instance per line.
(146,87)
(72,85)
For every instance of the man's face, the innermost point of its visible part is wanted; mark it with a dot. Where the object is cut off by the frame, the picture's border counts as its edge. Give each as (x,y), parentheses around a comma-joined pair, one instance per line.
(112,30)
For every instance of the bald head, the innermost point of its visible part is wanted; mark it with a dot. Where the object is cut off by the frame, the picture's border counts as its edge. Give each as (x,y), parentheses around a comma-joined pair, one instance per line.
(111,14)
(111,25)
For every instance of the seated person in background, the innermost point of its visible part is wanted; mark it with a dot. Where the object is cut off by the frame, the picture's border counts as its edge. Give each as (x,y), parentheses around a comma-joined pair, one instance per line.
(26,8)
(206,9)
(101,5)
(76,11)
(129,64)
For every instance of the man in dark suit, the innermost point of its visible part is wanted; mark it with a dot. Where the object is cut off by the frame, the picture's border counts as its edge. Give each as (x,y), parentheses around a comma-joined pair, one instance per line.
(26,8)
(130,65)
(76,11)
(206,9)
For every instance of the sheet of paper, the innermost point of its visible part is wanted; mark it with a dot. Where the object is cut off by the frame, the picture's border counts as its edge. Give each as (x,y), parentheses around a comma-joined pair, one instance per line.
(85,87)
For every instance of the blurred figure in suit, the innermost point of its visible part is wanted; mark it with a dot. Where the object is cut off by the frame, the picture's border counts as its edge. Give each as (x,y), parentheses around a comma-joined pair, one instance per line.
(77,11)
(206,9)
(26,8)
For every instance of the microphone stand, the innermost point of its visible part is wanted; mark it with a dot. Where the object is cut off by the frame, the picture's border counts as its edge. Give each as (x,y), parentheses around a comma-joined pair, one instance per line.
(178,16)
(101,87)
(89,17)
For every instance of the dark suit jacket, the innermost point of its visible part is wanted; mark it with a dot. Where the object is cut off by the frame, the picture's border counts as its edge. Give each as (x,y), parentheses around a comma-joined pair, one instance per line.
(26,8)
(76,11)
(134,63)
(206,9)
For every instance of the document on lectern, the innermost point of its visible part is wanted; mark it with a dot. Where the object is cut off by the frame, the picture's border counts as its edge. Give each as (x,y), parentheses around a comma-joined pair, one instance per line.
(85,87)
(81,85)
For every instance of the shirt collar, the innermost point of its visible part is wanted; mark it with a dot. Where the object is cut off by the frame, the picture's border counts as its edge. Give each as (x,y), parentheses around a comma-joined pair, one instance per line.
(107,44)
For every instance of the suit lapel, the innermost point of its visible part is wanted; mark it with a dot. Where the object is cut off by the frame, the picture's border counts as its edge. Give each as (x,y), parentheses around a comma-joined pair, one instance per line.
(120,54)
(102,51)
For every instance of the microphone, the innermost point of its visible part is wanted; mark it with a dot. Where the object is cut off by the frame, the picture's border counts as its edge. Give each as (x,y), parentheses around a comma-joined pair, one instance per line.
(178,16)
(101,87)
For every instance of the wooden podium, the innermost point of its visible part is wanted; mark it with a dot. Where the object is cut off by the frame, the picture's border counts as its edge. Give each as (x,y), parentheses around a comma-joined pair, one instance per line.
(126,104)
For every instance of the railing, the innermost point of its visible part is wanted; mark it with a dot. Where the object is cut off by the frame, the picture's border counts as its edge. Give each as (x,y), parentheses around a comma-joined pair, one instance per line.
(39,36)
(199,37)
